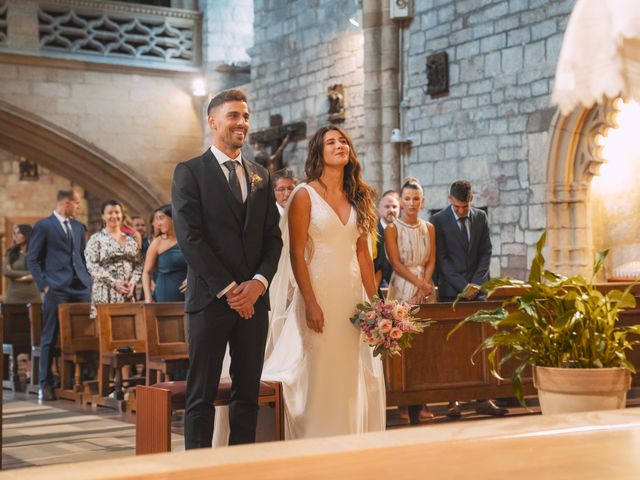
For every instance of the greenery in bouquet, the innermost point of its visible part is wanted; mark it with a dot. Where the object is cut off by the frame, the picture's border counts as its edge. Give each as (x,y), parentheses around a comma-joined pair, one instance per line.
(388,325)
(559,321)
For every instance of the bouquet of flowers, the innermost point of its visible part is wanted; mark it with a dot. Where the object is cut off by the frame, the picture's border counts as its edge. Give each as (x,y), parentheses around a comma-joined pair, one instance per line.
(388,325)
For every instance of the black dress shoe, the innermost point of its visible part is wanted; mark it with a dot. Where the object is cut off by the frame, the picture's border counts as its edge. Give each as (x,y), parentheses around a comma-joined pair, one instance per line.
(454,410)
(489,407)
(46,394)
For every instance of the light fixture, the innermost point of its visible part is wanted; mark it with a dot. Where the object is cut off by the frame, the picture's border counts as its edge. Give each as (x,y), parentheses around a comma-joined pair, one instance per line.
(199,87)
(354,22)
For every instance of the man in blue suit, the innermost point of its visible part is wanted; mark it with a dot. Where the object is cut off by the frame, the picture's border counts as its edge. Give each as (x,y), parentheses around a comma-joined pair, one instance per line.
(56,261)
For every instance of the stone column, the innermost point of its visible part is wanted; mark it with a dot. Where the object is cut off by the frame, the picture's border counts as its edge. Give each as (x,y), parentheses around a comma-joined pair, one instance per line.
(381,102)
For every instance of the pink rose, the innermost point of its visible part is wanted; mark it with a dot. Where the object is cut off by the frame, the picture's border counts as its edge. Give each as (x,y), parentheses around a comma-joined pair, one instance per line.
(395,333)
(370,315)
(385,325)
(398,311)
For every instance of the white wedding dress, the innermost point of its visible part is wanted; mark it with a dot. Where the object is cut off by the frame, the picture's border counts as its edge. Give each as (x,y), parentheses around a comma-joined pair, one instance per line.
(332,384)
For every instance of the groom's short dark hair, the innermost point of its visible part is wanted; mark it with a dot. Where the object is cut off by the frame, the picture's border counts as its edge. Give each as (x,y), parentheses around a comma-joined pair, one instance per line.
(230,95)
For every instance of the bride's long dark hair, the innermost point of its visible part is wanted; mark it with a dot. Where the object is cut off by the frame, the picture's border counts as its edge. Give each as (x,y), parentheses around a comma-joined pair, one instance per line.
(359,194)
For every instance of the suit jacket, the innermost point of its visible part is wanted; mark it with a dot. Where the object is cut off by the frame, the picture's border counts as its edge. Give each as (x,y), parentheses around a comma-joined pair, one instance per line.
(50,258)
(455,266)
(222,240)
(381,262)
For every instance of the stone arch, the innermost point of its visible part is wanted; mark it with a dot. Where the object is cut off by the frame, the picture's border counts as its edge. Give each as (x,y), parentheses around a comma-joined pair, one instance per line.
(574,159)
(65,153)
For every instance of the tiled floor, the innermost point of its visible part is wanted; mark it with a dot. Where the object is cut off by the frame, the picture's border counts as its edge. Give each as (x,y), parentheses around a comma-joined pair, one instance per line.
(36,433)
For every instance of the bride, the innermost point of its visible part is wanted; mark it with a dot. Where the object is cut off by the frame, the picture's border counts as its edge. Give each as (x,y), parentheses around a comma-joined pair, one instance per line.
(332,384)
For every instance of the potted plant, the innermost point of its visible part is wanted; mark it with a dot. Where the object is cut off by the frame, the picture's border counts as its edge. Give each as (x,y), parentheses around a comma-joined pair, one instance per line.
(568,331)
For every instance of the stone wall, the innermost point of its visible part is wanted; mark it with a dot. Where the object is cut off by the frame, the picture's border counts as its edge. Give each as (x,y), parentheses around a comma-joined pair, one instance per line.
(492,127)
(29,198)
(301,48)
(227,34)
(147,122)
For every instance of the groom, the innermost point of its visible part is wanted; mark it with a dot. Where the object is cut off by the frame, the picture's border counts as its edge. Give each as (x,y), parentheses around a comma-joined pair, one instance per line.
(226,224)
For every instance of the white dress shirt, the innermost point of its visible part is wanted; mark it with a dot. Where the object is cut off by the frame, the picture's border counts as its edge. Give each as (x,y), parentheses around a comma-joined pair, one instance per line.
(222,159)
(62,219)
(466,222)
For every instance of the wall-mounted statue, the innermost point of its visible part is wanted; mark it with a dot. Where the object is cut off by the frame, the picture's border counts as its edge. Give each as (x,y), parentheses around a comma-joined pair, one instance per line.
(271,161)
(269,143)
(28,169)
(336,103)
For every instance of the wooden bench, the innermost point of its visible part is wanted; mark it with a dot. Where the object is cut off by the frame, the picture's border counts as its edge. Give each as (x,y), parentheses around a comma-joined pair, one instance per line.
(121,326)
(79,347)
(167,347)
(35,324)
(156,402)
(17,339)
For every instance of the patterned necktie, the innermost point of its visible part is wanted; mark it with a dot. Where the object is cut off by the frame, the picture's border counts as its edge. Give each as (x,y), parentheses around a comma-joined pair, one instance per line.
(234,183)
(67,229)
(463,230)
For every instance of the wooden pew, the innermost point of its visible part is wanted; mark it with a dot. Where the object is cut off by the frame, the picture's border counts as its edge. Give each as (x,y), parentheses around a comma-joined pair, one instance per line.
(167,348)
(79,347)
(35,324)
(155,404)
(121,328)
(439,370)
(17,339)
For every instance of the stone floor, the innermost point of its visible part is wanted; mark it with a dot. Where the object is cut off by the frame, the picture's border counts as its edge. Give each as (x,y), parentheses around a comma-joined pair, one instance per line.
(37,433)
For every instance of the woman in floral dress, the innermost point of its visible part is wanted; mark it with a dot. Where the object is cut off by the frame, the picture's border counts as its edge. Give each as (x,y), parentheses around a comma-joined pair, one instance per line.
(113,260)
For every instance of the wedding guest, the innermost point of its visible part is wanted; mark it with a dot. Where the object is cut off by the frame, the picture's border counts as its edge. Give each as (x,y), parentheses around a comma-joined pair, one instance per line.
(165,257)
(127,227)
(20,285)
(411,243)
(113,259)
(284,181)
(388,211)
(140,226)
(462,262)
(56,261)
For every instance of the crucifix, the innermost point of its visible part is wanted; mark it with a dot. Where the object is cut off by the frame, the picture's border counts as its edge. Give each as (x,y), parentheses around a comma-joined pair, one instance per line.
(270,142)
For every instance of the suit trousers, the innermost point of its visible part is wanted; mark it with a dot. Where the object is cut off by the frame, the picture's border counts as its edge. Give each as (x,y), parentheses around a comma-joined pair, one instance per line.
(209,332)
(77,292)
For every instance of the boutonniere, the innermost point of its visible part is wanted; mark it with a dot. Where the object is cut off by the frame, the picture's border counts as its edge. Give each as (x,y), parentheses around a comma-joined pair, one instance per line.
(255,180)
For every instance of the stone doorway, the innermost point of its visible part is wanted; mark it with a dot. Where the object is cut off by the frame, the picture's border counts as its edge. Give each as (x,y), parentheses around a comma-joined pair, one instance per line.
(586,211)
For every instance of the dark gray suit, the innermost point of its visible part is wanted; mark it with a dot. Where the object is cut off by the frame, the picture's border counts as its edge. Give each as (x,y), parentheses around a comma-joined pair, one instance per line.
(224,241)
(456,266)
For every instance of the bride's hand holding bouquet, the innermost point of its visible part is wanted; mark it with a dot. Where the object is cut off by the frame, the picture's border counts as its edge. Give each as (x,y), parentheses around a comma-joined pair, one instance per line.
(388,325)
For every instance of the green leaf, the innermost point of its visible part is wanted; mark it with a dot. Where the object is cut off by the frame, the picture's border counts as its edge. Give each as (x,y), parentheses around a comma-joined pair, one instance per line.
(598,261)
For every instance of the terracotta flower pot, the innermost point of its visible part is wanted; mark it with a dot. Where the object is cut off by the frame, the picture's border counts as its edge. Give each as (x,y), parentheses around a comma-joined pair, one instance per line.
(568,390)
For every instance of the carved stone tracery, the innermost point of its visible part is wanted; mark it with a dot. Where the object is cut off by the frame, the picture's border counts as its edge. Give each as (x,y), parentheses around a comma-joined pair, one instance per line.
(574,159)
(119,31)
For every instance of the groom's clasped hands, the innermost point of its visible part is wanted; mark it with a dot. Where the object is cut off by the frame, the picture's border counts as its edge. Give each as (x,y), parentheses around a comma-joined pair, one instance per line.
(243,297)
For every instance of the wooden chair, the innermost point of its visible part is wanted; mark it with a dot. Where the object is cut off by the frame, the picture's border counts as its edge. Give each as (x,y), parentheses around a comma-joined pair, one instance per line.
(167,347)
(79,347)
(35,324)
(122,335)
(17,339)
(156,402)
